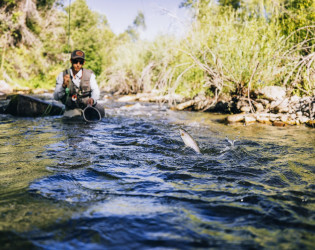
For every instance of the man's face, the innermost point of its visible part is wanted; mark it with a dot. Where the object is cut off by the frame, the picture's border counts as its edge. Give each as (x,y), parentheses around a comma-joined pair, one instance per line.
(77,64)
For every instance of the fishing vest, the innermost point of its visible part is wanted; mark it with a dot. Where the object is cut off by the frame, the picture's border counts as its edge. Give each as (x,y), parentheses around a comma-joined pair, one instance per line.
(78,96)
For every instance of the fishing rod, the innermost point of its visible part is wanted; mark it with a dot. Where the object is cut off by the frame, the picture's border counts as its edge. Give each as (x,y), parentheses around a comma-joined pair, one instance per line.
(69,33)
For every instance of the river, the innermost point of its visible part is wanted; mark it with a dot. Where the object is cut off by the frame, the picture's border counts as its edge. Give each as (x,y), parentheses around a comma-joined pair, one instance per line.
(128,182)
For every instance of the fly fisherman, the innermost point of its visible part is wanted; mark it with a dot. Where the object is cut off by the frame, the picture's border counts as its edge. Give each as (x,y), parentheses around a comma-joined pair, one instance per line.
(77,88)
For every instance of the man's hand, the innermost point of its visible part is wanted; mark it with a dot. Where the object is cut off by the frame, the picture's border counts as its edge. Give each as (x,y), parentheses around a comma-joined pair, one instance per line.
(66,80)
(90,101)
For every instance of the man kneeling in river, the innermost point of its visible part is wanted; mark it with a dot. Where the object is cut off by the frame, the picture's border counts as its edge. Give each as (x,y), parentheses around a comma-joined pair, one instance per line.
(77,88)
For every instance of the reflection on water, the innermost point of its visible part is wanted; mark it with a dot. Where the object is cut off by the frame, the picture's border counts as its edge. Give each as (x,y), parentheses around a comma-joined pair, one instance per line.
(129,182)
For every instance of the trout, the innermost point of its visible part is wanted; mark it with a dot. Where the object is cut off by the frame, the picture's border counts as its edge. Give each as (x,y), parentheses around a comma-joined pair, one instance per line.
(188,140)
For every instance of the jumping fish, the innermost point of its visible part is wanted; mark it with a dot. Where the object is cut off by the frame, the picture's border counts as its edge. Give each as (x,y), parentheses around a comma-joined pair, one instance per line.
(188,140)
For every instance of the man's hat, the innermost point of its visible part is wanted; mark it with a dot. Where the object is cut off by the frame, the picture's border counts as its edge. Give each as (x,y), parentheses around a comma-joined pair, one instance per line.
(78,54)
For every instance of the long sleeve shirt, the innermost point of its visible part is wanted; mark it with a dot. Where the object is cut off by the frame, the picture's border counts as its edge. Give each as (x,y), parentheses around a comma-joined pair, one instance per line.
(60,91)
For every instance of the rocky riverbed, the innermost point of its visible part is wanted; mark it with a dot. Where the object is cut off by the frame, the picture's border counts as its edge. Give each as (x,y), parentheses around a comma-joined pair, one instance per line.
(269,105)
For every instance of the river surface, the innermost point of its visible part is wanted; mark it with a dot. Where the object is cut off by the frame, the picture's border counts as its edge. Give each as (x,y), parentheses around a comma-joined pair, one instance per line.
(128,182)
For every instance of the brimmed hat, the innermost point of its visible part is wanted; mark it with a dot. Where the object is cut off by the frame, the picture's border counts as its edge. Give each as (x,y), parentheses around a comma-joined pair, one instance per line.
(78,54)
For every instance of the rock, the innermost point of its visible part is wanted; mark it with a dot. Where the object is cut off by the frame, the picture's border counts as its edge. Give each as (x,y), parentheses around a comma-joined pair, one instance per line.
(5,88)
(185,105)
(127,98)
(235,118)
(295,99)
(245,109)
(278,123)
(241,103)
(39,91)
(273,93)
(258,106)
(303,119)
(311,123)
(290,122)
(264,102)
(249,119)
(273,117)
(299,113)
(263,118)
(284,118)
(280,106)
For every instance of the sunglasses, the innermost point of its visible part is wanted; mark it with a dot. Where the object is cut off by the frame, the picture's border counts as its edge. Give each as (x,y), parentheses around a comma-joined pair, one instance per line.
(75,61)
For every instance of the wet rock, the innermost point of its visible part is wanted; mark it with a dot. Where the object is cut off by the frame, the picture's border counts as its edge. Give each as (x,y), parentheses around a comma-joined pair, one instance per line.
(311,123)
(290,122)
(127,98)
(278,123)
(185,105)
(273,93)
(263,119)
(248,119)
(235,118)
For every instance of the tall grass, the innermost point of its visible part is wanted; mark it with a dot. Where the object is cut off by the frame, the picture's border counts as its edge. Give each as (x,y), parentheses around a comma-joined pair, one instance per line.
(227,52)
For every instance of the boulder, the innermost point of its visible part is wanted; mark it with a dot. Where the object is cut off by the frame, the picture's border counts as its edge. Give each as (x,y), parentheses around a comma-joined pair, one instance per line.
(185,105)
(258,106)
(127,98)
(280,106)
(249,119)
(273,93)
(303,119)
(278,123)
(235,118)
(263,119)
(245,109)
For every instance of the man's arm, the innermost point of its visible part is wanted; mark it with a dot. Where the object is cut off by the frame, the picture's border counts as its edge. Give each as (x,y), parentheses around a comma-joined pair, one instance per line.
(95,92)
(59,90)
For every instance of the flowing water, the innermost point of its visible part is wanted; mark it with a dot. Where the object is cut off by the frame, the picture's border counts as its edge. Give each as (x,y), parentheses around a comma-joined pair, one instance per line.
(128,182)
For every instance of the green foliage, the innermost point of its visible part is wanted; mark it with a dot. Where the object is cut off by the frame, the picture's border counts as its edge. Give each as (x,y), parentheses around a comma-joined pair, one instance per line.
(88,30)
(33,25)
(297,14)
(234,3)
(230,46)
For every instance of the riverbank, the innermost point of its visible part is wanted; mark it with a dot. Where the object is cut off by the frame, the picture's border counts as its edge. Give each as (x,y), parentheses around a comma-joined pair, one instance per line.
(269,105)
